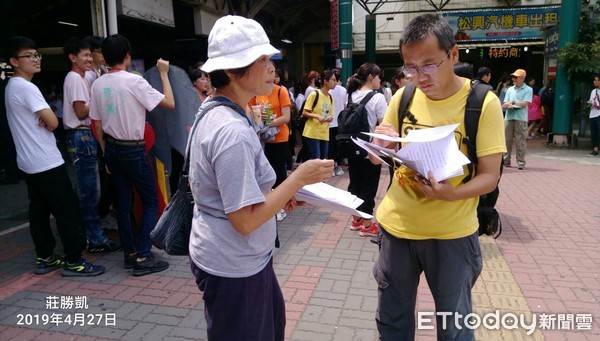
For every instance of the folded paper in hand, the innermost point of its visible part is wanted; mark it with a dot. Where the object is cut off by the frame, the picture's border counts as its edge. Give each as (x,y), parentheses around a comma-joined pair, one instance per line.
(327,196)
(430,149)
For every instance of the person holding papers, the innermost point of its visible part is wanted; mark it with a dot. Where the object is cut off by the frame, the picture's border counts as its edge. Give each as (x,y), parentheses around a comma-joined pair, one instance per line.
(431,226)
(364,175)
(318,110)
(233,229)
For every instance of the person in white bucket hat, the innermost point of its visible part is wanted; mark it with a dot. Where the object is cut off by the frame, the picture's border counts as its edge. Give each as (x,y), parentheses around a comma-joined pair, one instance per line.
(233,229)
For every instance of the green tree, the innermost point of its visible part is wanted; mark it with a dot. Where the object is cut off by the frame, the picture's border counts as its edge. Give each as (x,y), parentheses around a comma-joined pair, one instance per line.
(582,59)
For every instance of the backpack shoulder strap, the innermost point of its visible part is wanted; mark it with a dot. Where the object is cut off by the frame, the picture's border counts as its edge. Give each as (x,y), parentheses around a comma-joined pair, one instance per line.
(279,93)
(473,109)
(368,97)
(316,100)
(408,92)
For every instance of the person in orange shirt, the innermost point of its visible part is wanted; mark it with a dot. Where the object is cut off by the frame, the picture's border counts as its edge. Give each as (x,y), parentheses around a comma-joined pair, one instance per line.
(276,150)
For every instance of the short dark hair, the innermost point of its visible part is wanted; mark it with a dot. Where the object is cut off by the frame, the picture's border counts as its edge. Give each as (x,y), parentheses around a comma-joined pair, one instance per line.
(325,75)
(115,48)
(425,25)
(16,44)
(483,71)
(337,75)
(463,69)
(219,78)
(280,73)
(74,46)
(95,42)
(197,73)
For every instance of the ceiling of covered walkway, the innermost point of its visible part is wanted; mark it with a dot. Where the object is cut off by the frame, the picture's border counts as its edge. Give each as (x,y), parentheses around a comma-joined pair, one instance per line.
(291,19)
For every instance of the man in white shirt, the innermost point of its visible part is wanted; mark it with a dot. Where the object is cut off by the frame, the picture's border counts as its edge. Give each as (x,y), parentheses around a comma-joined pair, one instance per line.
(81,144)
(31,122)
(98,67)
(119,100)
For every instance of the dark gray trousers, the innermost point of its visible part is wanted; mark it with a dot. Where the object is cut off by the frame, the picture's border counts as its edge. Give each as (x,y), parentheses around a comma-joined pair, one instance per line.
(451,268)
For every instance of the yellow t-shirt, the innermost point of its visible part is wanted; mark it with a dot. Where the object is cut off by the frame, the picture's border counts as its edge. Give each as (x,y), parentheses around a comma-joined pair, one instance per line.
(404,211)
(313,128)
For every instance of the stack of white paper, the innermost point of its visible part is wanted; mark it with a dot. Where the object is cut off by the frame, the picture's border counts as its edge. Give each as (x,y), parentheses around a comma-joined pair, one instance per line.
(430,149)
(327,196)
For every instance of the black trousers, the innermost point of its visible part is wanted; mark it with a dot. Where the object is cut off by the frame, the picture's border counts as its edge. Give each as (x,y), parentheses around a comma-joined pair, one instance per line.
(277,154)
(51,192)
(333,150)
(364,180)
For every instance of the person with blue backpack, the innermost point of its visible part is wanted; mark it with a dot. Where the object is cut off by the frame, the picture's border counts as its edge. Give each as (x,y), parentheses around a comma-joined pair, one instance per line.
(431,226)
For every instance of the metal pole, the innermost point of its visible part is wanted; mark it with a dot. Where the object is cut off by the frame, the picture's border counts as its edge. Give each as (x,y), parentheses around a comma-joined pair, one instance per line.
(345,10)
(570,12)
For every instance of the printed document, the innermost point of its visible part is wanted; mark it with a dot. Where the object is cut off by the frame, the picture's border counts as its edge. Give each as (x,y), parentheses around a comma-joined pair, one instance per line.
(327,196)
(430,149)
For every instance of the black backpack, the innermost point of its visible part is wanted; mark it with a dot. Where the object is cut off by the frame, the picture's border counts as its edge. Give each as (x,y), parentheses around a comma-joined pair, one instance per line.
(352,121)
(489,219)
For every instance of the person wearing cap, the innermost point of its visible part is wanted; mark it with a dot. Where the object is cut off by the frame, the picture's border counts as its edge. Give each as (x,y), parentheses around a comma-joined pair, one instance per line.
(233,228)
(516,101)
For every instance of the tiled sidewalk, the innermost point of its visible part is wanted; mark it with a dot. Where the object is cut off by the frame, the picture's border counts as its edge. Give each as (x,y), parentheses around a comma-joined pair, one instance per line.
(545,262)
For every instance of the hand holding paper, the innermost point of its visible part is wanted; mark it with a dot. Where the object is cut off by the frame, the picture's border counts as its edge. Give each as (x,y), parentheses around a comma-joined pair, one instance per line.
(430,149)
(326,196)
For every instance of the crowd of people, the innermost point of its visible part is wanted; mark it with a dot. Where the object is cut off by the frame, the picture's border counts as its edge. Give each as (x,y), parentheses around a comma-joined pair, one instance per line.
(256,145)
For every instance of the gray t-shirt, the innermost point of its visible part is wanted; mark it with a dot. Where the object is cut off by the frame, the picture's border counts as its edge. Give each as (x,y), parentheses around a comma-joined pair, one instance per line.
(228,171)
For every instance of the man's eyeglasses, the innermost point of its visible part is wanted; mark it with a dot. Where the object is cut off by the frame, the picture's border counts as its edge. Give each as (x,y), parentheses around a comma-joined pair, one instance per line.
(429,69)
(32,57)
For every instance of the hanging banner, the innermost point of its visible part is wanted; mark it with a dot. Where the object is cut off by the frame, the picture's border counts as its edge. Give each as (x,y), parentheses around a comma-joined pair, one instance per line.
(335,25)
(502,24)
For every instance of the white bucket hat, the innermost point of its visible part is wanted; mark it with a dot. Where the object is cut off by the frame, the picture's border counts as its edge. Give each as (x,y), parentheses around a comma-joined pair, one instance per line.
(235,42)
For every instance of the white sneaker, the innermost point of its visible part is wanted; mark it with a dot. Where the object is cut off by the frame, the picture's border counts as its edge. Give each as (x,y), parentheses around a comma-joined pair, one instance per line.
(280,215)
(338,171)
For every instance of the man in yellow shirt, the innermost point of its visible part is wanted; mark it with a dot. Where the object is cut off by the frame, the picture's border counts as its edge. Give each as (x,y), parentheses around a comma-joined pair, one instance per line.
(434,228)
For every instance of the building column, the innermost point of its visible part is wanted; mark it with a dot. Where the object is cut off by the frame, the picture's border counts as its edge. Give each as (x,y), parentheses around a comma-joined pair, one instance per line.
(370,37)
(111,7)
(345,20)
(98,18)
(570,12)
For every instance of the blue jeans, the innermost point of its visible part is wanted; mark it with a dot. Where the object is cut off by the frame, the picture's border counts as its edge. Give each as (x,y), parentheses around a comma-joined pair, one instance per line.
(451,268)
(318,149)
(83,148)
(129,166)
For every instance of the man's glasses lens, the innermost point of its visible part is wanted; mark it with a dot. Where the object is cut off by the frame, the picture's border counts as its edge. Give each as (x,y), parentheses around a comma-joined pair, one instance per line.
(427,69)
(32,57)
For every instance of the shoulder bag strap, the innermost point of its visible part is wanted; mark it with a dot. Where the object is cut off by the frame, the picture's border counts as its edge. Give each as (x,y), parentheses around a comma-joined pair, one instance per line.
(213,102)
(368,97)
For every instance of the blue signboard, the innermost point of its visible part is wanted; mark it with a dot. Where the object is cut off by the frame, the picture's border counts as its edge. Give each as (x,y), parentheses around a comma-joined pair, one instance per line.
(502,24)
(551,43)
